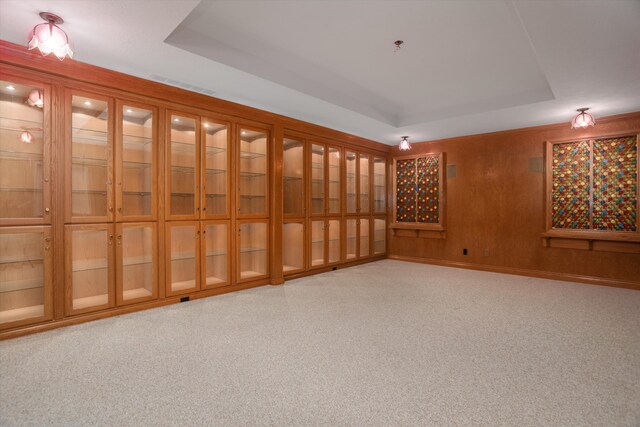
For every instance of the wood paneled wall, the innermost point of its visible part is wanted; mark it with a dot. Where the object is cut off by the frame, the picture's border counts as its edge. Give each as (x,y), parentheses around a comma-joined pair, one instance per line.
(495,208)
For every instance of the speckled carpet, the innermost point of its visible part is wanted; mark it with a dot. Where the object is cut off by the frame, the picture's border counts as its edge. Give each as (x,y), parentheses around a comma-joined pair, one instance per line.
(387,343)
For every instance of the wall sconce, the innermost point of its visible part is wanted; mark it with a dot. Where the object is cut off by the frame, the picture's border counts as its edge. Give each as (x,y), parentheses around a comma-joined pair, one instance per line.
(404,144)
(36,99)
(48,37)
(583,119)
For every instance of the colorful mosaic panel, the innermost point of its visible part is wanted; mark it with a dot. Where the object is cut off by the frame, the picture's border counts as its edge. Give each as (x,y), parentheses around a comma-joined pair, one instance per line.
(615,184)
(570,192)
(428,190)
(406,190)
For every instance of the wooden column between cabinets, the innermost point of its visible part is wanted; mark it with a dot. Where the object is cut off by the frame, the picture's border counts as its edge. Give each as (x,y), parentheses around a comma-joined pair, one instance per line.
(277,277)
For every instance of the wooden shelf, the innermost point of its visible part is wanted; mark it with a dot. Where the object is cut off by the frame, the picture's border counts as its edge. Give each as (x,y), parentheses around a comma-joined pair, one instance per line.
(136,293)
(22,313)
(92,301)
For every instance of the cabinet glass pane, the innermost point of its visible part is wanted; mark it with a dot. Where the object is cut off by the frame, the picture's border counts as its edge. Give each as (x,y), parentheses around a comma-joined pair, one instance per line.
(216,152)
(352,226)
(364,183)
(351,181)
(334,240)
(137,161)
(364,237)
(21,151)
(293,174)
(253,250)
(379,180)
(137,261)
(333,199)
(90,152)
(183,257)
(292,246)
(317,179)
(216,256)
(21,276)
(90,268)
(379,236)
(253,172)
(317,242)
(183,165)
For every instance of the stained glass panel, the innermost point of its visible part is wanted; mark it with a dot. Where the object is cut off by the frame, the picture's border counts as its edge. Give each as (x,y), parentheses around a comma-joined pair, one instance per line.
(615,184)
(405,190)
(570,192)
(428,189)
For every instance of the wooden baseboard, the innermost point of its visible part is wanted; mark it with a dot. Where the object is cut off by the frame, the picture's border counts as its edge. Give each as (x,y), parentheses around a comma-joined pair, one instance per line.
(340,266)
(82,318)
(523,272)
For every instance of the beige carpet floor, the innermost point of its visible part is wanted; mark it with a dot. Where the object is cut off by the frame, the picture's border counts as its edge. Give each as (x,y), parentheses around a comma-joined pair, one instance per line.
(388,343)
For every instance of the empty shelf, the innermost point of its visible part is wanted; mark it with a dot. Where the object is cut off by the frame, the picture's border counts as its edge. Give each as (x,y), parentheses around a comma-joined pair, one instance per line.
(93,301)
(212,280)
(185,284)
(136,293)
(250,273)
(22,313)
(286,268)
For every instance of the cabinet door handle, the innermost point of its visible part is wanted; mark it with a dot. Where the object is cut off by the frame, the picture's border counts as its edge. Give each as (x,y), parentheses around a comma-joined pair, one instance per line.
(47,210)
(119,239)
(110,239)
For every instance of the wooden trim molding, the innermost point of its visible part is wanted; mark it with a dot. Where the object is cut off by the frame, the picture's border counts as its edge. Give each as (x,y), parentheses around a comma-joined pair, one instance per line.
(568,277)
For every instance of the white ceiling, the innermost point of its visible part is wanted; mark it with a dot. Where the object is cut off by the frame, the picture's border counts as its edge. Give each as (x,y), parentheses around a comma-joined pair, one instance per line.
(466,66)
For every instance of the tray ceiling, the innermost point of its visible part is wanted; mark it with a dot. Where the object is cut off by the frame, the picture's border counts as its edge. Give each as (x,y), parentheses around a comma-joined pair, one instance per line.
(465,66)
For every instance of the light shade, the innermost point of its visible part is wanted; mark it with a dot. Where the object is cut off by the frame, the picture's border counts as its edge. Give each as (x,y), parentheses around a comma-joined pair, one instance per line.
(583,119)
(404,144)
(35,98)
(26,137)
(49,38)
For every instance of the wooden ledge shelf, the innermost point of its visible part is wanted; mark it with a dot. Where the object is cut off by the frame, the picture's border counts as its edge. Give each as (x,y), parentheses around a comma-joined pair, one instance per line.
(592,241)
(426,231)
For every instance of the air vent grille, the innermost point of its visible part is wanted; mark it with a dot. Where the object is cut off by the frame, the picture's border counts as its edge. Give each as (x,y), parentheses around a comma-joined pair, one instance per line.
(182,85)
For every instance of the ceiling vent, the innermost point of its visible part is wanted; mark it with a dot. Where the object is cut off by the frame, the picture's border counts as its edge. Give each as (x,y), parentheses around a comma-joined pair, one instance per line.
(182,85)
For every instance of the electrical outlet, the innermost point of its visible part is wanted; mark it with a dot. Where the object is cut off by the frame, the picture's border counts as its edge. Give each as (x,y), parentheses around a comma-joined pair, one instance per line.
(464,251)
(486,252)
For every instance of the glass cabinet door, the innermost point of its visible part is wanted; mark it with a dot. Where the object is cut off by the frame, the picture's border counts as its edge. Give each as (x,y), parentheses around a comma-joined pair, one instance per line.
(215,201)
(252,172)
(317,243)
(136,255)
(90,183)
(364,184)
(182,266)
(293,177)
(253,242)
(24,153)
(90,267)
(379,236)
(333,240)
(293,247)
(25,275)
(317,179)
(352,238)
(136,170)
(182,176)
(352,202)
(364,237)
(379,185)
(215,254)
(333,191)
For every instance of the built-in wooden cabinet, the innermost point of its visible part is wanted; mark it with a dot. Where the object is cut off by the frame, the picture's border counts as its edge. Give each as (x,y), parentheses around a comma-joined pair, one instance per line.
(111,199)
(252,249)
(26,263)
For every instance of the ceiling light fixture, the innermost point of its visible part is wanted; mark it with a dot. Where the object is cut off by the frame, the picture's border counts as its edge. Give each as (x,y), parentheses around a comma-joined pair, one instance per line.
(35,98)
(404,144)
(583,119)
(48,37)
(398,44)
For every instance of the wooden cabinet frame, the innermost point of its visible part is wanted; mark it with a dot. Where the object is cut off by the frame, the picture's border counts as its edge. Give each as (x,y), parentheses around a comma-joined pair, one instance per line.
(69,229)
(269,143)
(203,254)
(47,290)
(47,134)
(68,146)
(120,263)
(196,250)
(238,248)
(305,240)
